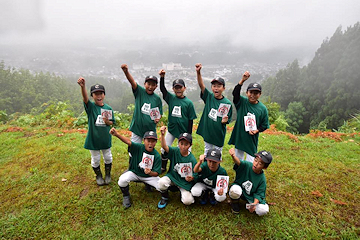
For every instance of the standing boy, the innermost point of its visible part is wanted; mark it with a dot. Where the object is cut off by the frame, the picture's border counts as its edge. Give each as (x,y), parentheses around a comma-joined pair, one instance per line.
(181,113)
(207,173)
(148,106)
(250,183)
(100,117)
(180,172)
(216,114)
(145,163)
(252,118)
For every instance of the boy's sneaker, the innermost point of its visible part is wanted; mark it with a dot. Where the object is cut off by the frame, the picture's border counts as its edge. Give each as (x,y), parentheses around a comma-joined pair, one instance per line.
(163,202)
(235,207)
(204,198)
(212,199)
(126,201)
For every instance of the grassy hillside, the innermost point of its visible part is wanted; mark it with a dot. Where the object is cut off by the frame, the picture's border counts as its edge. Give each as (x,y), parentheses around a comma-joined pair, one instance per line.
(48,191)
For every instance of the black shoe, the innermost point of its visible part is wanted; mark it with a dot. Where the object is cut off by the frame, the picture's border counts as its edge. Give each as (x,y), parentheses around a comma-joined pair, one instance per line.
(107,173)
(126,202)
(235,206)
(204,197)
(99,178)
(212,199)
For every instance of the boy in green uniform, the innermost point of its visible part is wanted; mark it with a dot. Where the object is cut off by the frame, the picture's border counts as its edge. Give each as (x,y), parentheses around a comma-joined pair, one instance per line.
(181,113)
(100,117)
(252,118)
(207,173)
(145,163)
(250,183)
(180,171)
(216,114)
(148,108)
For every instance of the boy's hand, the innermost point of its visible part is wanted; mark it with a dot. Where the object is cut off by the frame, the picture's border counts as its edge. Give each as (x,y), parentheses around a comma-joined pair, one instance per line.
(156,120)
(232,152)
(162,73)
(81,81)
(225,119)
(189,178)
(124,67)
(198,67)
(246,76)
(252,208)
(113,131)
(221,191)
(202,158)
(163,130)
(253,132)
(147,171)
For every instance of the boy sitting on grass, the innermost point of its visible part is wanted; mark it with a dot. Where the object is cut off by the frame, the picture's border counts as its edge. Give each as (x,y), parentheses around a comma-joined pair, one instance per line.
(180,171)
(250,183)
(145,163)
(208,170)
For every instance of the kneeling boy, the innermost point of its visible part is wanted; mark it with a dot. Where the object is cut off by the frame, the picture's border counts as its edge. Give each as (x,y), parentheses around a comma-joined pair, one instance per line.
(180,172)
(205,188)
(145,164)
(250,183)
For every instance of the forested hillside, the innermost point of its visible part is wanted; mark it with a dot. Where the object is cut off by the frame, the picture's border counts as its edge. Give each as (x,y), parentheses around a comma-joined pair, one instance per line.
(325,92)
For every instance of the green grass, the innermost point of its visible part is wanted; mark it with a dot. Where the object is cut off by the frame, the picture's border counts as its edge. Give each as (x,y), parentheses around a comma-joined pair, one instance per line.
(48,191)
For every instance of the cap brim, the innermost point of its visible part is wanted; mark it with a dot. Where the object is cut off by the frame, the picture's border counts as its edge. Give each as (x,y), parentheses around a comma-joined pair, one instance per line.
(213,159)
(178,84)
(257,89)
(222,83)
(98,90)
(184,138)
(152,137)
(151,80)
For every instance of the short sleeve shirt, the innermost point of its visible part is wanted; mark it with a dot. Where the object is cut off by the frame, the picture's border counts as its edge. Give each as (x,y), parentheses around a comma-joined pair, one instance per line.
(141,121)
(137,151)
(208,177)
(253,185)
(210,126)
(98,136)
(239,137)
(176,160)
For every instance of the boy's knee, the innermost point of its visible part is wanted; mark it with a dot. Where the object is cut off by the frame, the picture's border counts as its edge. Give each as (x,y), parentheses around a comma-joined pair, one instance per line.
(122,181)
(262,209)
(163,183)
(220,198)
(235,192)
(196,192)
(187,198)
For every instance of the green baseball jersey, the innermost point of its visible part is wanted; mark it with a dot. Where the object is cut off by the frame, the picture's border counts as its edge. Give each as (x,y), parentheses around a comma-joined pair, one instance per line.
(181,110)
(252,184)
(239,137)
(208,177)
(145,106)
(179,168)
(98,136)
(140,155)
(210,126)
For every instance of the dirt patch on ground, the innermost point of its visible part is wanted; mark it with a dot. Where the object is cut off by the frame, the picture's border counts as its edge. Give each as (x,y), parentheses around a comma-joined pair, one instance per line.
(274,131)
(332,135)
(13,129)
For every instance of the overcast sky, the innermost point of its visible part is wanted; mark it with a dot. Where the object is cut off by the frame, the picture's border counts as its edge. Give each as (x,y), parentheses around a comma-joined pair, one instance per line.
(262,24)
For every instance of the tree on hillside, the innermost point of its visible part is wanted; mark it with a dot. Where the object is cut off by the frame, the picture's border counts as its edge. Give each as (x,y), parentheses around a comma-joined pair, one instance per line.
(327,87)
